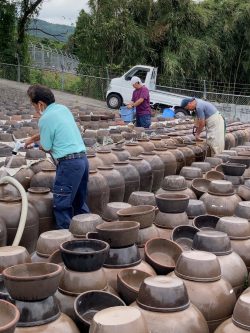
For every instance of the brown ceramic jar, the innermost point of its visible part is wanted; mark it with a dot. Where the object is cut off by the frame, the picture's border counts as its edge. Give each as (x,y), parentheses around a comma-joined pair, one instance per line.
(168,159)
(24,176)
(131,177)
(157,167)
(94,161)
(8,190)
(188,153)
(121,153)
(211,294)
(40,165)
(145,171)
(98,192)
(180,159)
(107,157)
(10,211)
(42,199)
(164,302)
(3,233)
(146,144)
(44,178)
(115,182)
(134,148)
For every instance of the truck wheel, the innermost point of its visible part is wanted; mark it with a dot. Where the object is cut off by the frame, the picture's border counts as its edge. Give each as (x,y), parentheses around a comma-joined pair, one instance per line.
(181,113)
(114,101)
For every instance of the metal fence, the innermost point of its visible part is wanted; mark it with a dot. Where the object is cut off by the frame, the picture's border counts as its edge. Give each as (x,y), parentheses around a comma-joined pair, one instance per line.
(48,58)
(93,82)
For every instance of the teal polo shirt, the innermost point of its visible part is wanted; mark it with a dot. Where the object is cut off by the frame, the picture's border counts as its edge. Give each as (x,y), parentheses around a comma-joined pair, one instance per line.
(59,133)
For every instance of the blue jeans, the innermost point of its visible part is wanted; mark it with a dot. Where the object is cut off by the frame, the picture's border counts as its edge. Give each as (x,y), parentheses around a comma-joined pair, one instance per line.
(70,190)
(143,120)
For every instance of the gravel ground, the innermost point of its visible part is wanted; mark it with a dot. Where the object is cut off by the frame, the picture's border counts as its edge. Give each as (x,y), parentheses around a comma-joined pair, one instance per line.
(61,97)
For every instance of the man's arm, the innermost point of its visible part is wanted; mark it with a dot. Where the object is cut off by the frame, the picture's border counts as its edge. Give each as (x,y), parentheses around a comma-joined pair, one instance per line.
(135,104)
(31,140)
(200,123)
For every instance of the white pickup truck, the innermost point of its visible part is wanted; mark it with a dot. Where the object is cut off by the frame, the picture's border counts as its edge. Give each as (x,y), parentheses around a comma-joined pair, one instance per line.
(120,90)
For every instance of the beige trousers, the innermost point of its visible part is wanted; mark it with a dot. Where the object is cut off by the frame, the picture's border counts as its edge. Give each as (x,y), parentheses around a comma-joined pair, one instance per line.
(215,133)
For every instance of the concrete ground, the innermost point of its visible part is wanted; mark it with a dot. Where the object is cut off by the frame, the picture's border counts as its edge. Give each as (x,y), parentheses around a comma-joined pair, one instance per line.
(61,97)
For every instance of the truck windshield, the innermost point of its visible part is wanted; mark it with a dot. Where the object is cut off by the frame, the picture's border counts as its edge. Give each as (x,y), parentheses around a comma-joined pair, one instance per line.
(141,73)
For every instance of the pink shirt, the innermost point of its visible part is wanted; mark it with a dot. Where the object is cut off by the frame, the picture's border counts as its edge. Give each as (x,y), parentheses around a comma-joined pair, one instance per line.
(144,107)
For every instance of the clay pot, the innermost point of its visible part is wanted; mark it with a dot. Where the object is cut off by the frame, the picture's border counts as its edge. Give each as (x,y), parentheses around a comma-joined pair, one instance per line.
(3,233)
(146,144)
(123,319)
(115,182)
(35,154)
(237,229)
(134,148)
(232,266)
(168,160)
(62,324)
(214,175)
(89,303)
(188,153)
(243,210)
(138,198)
(144,214)
(220,199)
(165,304)
(233,169)
(50,241)
(13,255)
(162,254)
(16,162)
(9,316)
(191,173)
(206,222)
(98,193)
(244,192)
(174,183)
(129,281)
(195,208)
(131,177)
(146,234)
(40,165)
(179,156)
(84,255)
(204,166)
(170,221)
(24,177)
(74,283)
(145,173)
(172,203)
(240,159)
(157,167)
(200,186)
(42,199)
(32,282)
(44,178)
(119,234)
(110,212)
(121,153)
(83,223)
(107,157)
(10,210)
(8,190)
(212,295)
(123,257)
(214,161)
(183,235)
(94,161)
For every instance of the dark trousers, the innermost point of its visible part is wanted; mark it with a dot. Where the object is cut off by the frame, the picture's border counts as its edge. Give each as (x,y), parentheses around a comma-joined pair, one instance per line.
(70,190)
(143,120)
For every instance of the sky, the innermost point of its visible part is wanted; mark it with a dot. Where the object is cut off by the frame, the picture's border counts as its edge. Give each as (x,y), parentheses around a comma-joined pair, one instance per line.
(62,11)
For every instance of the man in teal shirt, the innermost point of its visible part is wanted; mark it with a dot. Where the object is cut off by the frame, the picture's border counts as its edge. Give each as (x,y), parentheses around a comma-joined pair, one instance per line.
(59,135)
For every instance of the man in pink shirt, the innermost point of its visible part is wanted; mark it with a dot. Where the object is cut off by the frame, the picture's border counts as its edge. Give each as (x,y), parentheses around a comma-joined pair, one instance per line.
(141,101)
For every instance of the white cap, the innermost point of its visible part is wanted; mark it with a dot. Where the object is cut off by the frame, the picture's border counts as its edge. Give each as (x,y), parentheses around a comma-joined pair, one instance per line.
(135,79)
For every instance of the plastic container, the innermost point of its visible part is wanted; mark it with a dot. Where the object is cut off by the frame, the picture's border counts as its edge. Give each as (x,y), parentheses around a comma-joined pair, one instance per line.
(127,114)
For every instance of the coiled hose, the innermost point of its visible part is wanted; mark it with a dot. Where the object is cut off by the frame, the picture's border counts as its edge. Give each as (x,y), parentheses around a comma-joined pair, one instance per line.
(24,209)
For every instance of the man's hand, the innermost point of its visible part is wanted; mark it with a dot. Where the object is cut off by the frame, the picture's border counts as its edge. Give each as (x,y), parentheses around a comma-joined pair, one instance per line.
(130,106)
(28,143)
(197,137)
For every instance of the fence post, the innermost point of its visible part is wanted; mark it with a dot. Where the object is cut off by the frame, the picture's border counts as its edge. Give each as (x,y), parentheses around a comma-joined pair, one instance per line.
(62,79)
(204,89)
(18,68)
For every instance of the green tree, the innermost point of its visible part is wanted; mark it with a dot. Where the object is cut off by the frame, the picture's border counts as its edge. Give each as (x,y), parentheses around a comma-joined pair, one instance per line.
(7,32)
